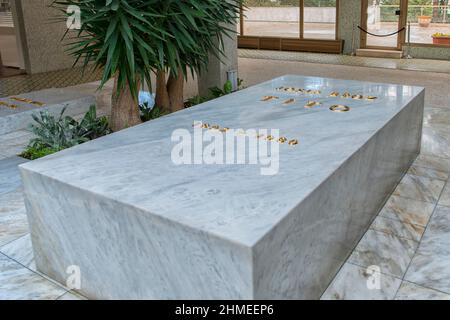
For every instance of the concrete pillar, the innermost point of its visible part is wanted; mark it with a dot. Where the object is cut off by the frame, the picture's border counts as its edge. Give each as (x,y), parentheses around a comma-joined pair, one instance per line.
(40,37)
(349,16)
(216,75)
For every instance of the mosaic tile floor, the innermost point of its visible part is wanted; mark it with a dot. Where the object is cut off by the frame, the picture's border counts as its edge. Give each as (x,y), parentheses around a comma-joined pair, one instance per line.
(439,66)
(56,79)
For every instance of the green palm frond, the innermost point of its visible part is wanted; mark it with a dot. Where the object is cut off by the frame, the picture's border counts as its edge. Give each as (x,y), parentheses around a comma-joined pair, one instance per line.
(133,38)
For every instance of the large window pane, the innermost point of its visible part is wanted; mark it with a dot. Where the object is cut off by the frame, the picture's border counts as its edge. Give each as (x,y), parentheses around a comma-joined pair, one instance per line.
(428,18)
(272,18)
(320,19)
(382,19)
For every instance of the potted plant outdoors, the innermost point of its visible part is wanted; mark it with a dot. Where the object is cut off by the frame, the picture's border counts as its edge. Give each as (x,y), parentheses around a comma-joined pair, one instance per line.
(424,21)
(441,38)
(132,39)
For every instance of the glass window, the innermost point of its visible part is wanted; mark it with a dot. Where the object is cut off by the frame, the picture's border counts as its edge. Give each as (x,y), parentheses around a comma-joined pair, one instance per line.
(430,21)
(320,19)
(272,18)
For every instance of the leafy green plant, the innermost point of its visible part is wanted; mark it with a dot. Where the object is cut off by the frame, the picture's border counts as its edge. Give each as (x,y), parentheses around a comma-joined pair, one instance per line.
(215,92)
(130,39)
(93,127)
(148,113)
(33,153)
(53,134)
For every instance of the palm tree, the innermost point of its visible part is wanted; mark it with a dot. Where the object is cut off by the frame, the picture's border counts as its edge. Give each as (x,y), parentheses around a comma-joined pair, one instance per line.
(131,39)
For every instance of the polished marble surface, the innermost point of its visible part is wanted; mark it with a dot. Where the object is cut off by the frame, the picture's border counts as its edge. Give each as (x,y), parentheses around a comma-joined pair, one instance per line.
(13,220)
(430,266)
(17,282)
(436,141)
(420,188)
(21,251)
(436,163)
(428,173)
(71,296)
(55,100)
(10,179)
(240,110)
(408,210)
(445,197)
(352,281)
(391,253)
(440,66)
(411,291)
(398,228)
(249,231)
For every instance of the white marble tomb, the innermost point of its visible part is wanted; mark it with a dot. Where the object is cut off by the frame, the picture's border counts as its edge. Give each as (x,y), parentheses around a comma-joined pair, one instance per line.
(139,226)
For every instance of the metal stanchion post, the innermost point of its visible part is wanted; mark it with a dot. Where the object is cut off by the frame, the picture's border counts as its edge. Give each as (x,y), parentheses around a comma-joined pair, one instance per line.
(408,47)
(353,40)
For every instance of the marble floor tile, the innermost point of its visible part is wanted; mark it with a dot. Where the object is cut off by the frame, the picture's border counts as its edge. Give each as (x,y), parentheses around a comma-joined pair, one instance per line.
(19,135)
(408,210)
(12,228)
(21,251)
(351,283)
(428,173)
(12,203)
(437,116)
(19,283)
(430,266)
(392,254)
(436,141)
(445,197)
(14,143)
(419,188)
(411,291)
(72,296)
(398,228)
(9,173)
(436,163)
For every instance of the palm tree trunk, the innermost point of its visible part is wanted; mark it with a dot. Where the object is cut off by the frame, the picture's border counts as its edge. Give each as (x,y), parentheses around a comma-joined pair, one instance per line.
(1,64)
(162,99)
(169,94)
(175,86)
(125,108)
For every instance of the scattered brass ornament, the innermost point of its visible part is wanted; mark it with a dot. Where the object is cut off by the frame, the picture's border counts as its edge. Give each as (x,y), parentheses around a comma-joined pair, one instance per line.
(334,94)
(346,95)
(339,108)
(312,104)
(268,98)
(289,101)
(293,142)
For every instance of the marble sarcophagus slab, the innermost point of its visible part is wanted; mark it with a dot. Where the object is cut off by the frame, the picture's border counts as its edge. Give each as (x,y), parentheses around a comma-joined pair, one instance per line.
(138,224)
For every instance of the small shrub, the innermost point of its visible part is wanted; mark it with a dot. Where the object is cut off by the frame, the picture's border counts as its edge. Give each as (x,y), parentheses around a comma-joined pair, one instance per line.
(53,134)
(32,153)
(148,113)
(215,92)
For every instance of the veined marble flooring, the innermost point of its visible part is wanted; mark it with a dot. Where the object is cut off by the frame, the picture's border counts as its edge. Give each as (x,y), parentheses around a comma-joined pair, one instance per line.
(427,65)
(408,241)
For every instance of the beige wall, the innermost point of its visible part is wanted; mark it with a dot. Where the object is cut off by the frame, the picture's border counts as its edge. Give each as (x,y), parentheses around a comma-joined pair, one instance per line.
(40,37)
(349,16)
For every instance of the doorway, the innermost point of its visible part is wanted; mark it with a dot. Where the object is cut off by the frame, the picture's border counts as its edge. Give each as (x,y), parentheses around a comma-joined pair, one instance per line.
(383,24)
(11,58)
